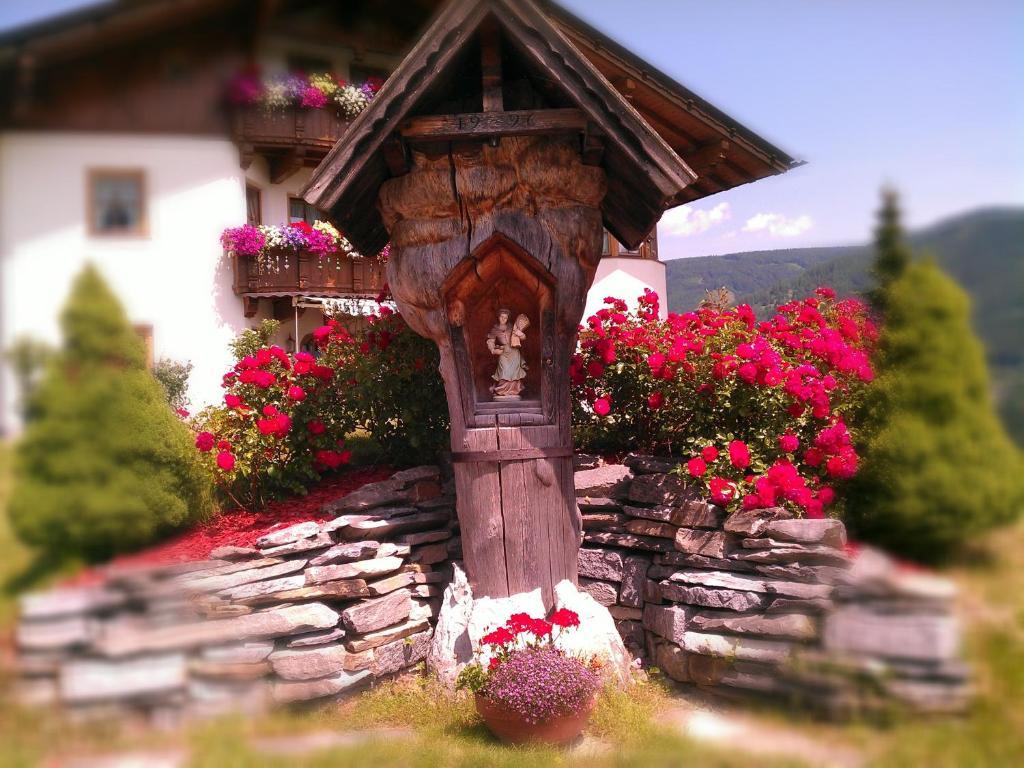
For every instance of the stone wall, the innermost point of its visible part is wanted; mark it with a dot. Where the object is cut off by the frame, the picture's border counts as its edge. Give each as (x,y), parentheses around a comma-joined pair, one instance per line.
(758,603)
(313,610)
(755,603)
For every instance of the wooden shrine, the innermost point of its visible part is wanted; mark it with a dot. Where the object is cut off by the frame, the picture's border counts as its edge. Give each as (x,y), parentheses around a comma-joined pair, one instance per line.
(492,159)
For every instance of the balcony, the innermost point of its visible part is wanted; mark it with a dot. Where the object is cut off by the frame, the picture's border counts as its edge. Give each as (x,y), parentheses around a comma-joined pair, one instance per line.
(281,274)
(290,138)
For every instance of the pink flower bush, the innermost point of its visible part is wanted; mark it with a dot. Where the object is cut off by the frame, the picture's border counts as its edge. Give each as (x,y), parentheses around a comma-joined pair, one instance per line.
(757,411)
(245,240)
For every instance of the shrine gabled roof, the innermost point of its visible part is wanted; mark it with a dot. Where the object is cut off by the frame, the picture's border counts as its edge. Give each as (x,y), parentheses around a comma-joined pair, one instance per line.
(645,175)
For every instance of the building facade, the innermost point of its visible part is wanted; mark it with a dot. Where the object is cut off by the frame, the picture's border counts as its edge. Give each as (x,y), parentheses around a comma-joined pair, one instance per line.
(121,144)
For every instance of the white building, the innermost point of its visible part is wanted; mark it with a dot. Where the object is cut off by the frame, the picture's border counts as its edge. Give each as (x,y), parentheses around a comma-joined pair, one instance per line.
(117,147)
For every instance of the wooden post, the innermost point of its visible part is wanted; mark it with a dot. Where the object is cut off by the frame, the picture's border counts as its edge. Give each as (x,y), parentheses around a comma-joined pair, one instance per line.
(518,225)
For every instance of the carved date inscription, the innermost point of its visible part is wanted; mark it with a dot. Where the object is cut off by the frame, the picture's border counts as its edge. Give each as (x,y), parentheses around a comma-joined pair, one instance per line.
(484,124)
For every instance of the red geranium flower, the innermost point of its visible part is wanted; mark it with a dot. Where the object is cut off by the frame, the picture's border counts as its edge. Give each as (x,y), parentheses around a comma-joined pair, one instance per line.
(519,623)
(563,617)
(500,636)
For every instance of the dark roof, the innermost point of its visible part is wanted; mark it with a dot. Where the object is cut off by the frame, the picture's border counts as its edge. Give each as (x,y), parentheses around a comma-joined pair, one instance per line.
(644,173)
(723,152)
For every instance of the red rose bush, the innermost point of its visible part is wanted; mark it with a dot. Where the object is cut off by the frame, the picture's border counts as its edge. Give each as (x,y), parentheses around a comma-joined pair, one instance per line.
(284,419)
(759,411)
(521,668)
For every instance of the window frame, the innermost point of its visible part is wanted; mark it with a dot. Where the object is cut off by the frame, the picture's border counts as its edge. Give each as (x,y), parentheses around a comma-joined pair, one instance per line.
(250,187)
(296,198)
(92,175)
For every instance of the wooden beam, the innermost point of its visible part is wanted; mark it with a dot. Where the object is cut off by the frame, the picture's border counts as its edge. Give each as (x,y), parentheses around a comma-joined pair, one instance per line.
(490,65)
(707,155)
(283,168)
(485,124)
(593,145)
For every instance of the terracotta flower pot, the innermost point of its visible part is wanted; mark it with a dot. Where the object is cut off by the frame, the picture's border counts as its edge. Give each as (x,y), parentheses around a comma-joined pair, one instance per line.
(511,728)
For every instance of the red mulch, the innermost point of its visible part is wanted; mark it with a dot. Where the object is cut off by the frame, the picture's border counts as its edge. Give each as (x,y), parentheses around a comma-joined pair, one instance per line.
(238,527)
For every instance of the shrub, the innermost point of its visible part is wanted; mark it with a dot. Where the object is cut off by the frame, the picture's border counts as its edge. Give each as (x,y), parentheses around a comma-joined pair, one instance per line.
(28,358)
(759,410)
(104,466)
(251,340)
(173,377)
(285,417)
(393,389)
(938,465)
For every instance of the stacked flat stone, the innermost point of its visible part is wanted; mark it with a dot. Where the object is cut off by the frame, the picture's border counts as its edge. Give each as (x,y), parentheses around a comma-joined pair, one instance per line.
(759,602)
(313,610)
(753,603)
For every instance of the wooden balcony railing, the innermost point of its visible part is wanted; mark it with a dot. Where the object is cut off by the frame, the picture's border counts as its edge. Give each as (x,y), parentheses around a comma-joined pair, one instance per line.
(291,138)
(305,274)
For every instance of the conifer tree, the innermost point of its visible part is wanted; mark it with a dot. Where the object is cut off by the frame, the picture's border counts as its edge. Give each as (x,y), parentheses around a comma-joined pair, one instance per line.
(938,467)
(105,466)
(892,255)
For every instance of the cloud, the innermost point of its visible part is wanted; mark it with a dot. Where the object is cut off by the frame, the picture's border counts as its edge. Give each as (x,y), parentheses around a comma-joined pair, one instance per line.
(778,225)
(686,220)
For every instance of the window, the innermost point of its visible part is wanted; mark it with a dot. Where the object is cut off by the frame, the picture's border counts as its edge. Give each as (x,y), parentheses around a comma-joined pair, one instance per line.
(309,65)
(300,210)
(359,74)
(253,205)
(116,202)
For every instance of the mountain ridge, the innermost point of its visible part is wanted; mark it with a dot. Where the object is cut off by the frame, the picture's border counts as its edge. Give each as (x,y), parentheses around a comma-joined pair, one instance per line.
(983,249)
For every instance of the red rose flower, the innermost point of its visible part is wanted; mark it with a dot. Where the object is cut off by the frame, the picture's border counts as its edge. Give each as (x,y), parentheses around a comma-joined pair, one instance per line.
(205,442)
(739,454)
(316,428)
(696,467)
(655,401)
(710,453)
(603,406)
(789,442)
(723,492)
(226,461)
(296,393)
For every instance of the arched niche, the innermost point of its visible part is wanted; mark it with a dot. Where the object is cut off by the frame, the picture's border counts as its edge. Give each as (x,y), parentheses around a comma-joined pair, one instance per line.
(500,274)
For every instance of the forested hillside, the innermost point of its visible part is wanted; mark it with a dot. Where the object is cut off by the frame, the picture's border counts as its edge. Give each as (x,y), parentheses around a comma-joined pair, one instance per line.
(983,250)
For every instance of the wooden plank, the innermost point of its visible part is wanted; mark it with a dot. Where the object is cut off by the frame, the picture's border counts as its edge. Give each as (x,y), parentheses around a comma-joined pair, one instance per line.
(521,122)
(514,499)
(478,505)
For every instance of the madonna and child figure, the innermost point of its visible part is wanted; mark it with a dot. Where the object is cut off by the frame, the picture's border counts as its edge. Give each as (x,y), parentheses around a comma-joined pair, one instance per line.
(505,342)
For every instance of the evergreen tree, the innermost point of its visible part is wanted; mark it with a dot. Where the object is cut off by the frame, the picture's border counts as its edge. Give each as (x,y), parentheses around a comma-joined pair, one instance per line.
(892,255)
(937,466)
(105,466)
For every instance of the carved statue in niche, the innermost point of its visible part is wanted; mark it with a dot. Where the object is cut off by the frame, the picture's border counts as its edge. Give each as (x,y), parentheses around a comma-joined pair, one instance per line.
(505,342)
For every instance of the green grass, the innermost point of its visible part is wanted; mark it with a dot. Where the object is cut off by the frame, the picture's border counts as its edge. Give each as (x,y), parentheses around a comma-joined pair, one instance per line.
(446,732)
(991,734)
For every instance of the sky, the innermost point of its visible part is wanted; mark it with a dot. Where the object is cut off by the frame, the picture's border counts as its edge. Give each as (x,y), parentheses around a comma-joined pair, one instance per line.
(924,95)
